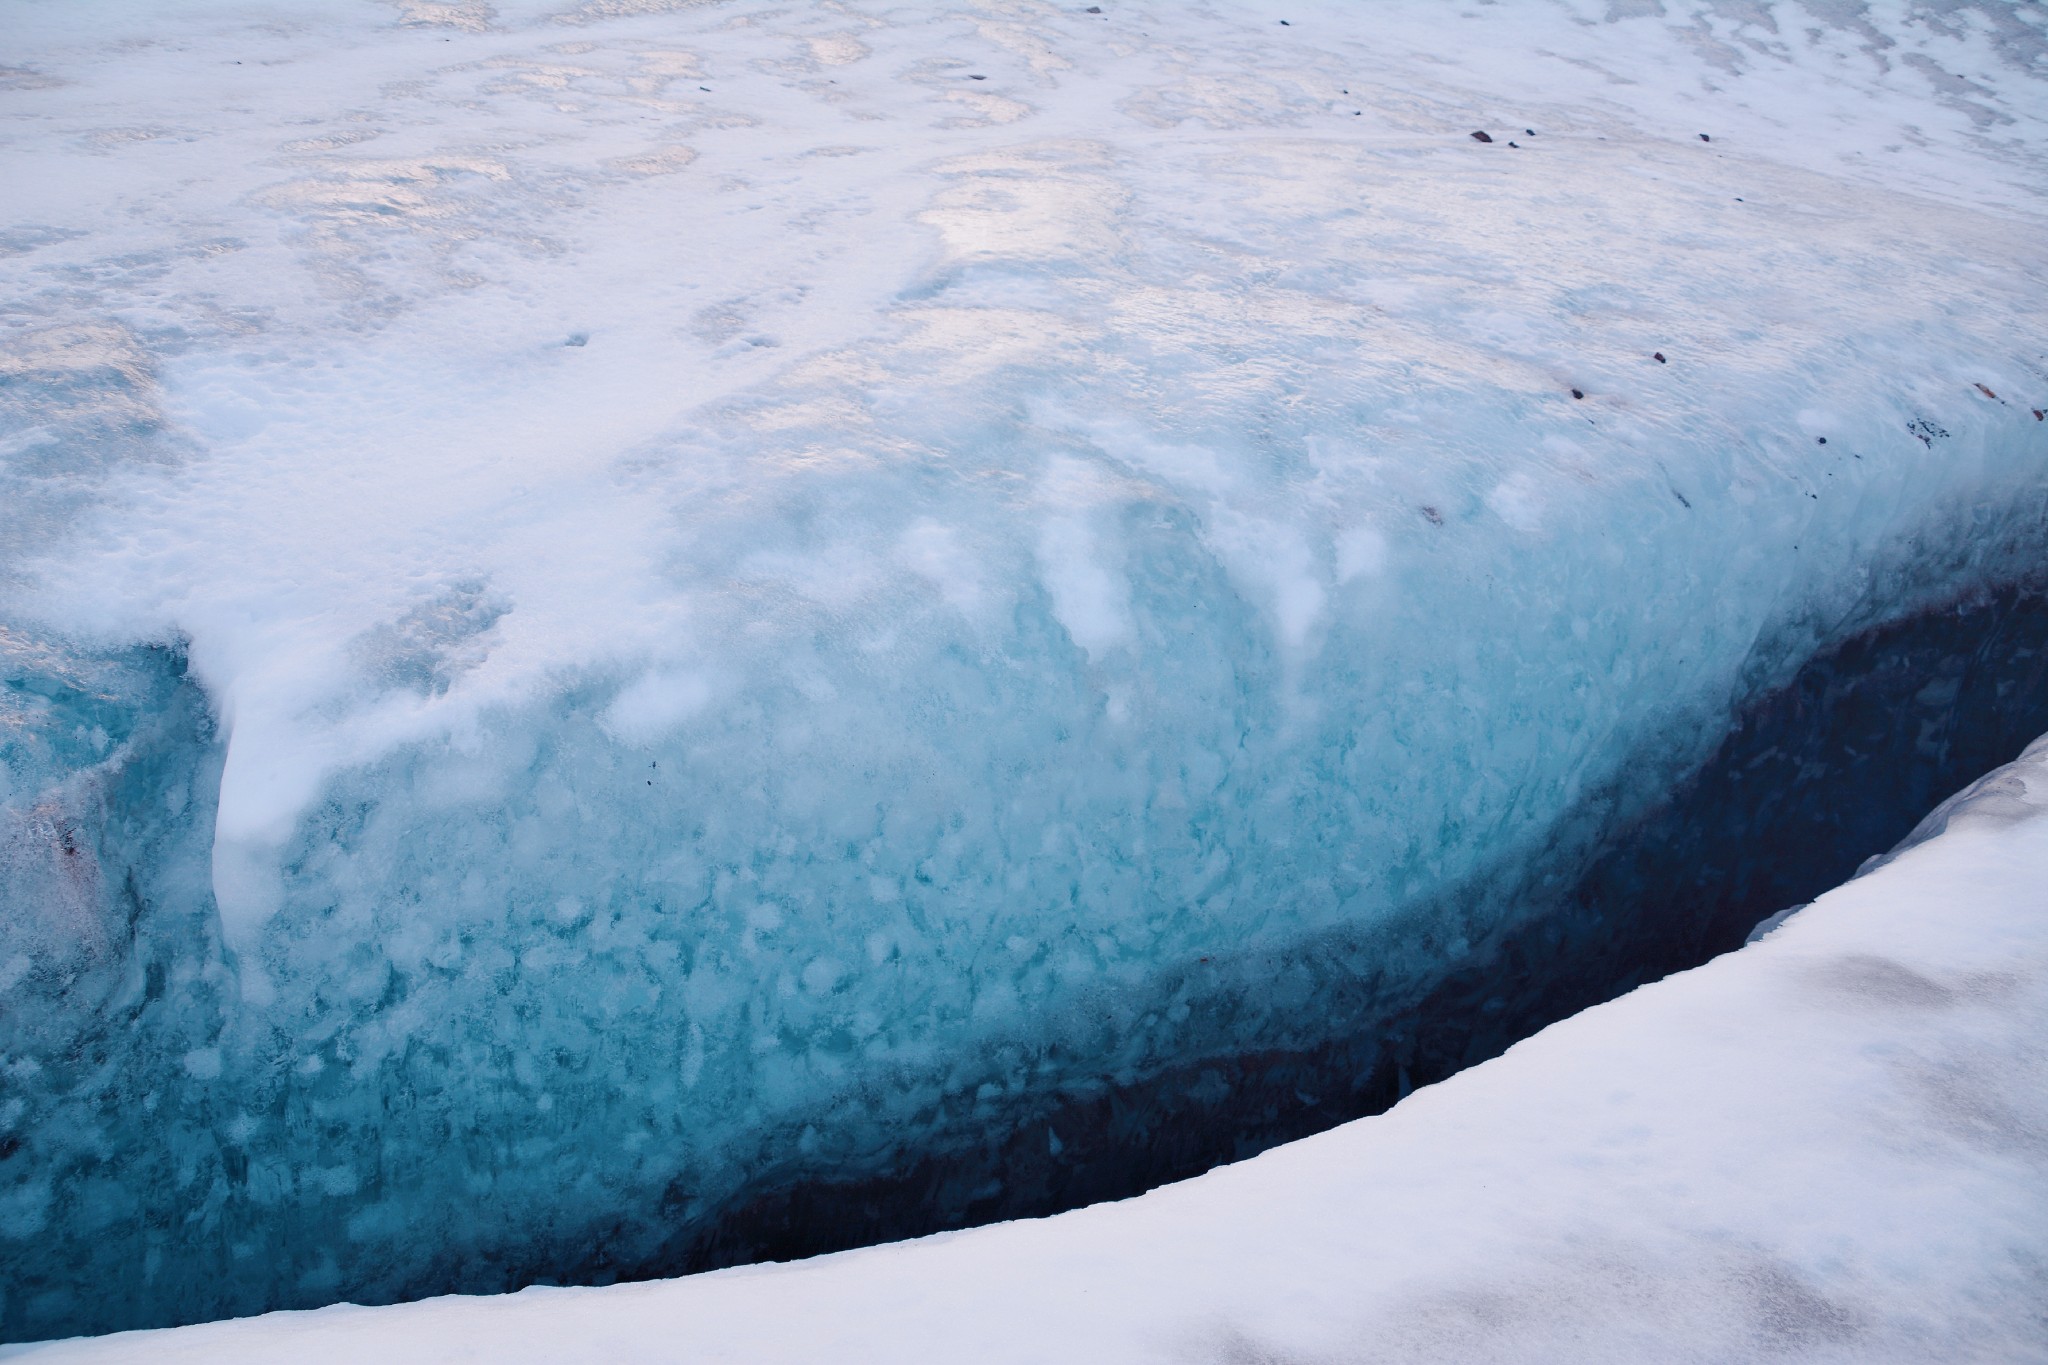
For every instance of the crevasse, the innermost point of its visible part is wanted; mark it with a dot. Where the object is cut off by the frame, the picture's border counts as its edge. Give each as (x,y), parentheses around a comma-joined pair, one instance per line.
(1244,622)
(614,984)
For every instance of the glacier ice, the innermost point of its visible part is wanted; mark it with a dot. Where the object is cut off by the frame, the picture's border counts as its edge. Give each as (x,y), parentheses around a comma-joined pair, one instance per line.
(1825,1148)
(612,617)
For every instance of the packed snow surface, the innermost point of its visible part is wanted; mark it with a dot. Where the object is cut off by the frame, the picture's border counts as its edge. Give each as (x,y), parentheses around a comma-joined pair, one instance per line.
(1826,1147)
(608,607)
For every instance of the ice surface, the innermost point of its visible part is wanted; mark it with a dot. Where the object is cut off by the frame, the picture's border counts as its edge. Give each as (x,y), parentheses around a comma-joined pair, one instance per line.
(1826,1147)
(609,608)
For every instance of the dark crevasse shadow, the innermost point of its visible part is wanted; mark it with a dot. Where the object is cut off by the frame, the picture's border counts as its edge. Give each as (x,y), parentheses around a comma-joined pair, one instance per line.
(1811,779)
(1836,761)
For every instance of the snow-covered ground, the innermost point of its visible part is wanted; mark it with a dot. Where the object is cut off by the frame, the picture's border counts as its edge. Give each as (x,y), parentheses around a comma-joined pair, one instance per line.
(606,605)
(1830,1146)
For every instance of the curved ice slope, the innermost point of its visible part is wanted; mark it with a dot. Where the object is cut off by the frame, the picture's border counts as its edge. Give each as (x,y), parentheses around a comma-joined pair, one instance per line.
(1827,1147)
(610,617)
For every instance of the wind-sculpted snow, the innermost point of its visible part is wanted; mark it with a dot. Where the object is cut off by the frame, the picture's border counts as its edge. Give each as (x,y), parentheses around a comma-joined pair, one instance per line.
(613,614)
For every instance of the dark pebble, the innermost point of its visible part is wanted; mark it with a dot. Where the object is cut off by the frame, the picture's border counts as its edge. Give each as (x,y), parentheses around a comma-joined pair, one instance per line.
(1482,137)
(1658,356)
(1577,393)
(1705,138)
(1822,439)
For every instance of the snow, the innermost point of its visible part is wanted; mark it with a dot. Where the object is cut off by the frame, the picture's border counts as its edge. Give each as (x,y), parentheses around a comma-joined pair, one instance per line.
(1827,1146)
(607,602)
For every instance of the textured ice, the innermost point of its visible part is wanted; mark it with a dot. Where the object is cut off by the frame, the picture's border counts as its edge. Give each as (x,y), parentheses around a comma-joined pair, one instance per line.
(1824,1148)
(609,609)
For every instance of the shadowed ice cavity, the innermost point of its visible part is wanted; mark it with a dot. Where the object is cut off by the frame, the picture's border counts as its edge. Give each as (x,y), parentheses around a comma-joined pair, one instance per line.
(1181,689)
(664,974)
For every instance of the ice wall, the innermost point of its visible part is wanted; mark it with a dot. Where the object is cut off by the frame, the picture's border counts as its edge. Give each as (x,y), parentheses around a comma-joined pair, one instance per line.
(1825,1147)
(610,618)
